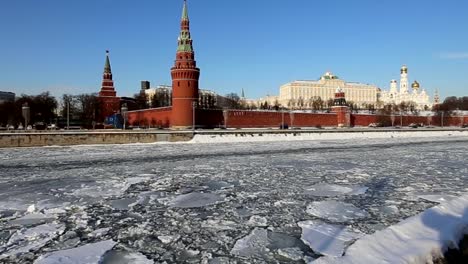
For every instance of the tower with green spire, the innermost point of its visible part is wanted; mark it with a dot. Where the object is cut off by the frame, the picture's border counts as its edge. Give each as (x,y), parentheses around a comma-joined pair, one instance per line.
(110,103)
(185,76)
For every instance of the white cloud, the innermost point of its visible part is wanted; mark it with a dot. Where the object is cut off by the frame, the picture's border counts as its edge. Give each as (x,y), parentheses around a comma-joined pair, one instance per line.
(454,55)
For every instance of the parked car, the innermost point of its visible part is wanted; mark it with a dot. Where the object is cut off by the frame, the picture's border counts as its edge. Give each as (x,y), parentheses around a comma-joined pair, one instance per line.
(283,126)
(464,126)
(40,126)
(414,125)
(375,125)
(52,127)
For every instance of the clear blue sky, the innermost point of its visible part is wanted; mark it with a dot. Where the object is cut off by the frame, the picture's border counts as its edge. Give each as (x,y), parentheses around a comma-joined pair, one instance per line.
(257,45)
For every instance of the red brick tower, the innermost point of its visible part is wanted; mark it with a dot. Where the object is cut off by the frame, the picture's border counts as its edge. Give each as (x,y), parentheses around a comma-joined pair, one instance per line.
(341,109)
(185,76)
(110,103)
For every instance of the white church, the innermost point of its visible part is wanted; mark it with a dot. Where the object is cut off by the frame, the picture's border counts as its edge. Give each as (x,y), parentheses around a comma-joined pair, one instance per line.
(417,95)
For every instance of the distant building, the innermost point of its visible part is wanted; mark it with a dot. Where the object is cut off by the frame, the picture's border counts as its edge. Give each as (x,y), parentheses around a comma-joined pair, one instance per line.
(302,94)
(7,97)
(418,95)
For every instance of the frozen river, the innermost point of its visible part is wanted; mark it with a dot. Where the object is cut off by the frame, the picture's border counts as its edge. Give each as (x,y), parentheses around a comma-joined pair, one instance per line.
(218,203)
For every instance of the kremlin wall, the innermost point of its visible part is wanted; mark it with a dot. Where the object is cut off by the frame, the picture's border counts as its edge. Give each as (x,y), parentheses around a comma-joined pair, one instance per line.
(185,113)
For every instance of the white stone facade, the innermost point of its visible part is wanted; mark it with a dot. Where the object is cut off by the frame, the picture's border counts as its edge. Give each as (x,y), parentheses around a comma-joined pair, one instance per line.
(416,95)
(301,94)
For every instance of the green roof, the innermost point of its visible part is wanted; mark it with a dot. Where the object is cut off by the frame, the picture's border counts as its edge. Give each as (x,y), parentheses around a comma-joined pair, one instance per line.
(107,67)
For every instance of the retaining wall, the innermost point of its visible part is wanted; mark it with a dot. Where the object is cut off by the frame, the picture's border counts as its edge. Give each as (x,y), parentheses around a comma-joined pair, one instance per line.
(88,138)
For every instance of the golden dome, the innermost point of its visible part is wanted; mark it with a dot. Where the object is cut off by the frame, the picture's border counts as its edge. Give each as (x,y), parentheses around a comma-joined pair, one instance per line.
(404,69)
(415,85)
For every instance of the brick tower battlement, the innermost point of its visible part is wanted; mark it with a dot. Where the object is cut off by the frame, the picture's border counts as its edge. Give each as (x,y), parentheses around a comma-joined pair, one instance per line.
(185,76)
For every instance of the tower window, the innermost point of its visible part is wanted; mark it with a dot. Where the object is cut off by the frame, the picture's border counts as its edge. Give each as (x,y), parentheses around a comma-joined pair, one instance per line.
(178,84)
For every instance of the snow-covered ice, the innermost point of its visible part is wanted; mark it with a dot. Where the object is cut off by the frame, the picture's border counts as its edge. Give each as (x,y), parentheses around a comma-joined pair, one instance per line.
(222,202)
(327,239)
(87,254)
(418,239)
(335,211)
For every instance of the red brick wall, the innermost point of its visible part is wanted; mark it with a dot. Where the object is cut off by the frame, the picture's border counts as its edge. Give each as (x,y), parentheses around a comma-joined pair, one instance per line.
(252,119)
(161,117)
(156,117)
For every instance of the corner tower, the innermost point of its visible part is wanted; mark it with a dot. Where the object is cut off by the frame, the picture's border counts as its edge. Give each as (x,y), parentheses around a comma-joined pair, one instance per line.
(110,103)
(185,76)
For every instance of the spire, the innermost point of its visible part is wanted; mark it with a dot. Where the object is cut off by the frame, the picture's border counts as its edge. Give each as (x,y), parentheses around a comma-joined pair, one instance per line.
(185,12)
(107,67)
(243,94)
(185,40)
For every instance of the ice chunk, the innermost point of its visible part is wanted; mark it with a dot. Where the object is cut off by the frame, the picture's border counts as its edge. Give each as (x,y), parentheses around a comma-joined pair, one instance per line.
(335,211)
(87,254)
(33,238)
(192,200)
(253,245)
(294,254)
(31,208)
(257,220)
(260,242)
(32,219)
(418,239)
(331,190)
(327,239)
(125,257)
(437,198)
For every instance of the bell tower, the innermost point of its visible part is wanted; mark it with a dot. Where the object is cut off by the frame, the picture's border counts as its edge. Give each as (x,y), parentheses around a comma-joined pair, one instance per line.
(185,76)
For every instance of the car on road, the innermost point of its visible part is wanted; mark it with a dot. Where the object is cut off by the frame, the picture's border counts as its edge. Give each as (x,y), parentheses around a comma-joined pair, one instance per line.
(464,126)
(375,125)
(414,125)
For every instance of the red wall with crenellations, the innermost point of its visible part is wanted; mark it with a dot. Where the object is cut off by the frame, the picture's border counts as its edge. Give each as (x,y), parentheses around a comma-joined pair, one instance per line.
(205,118)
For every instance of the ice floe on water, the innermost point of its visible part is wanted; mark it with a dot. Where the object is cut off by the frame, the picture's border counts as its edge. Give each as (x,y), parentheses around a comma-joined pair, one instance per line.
(195,199)
(418,239)
(335,211)
(33,238)
(265,244)
(124,257)
(331,190)
(32,219)
(87,254)
(437,198)
(327,239)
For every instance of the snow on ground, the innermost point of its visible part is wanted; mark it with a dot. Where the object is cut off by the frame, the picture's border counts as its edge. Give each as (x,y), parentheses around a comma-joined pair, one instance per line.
(418,239)
(221,202)
(325,135)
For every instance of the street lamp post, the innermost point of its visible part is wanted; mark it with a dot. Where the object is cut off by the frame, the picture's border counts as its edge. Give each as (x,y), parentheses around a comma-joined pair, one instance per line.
(26,114)
(282,119)
(401,119)
(68,114)
(194,104)
(124,111)
(442,120)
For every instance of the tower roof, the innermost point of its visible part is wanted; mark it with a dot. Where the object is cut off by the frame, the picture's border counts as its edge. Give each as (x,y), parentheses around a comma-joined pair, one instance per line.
(184,40)
(185,12)
(107,66)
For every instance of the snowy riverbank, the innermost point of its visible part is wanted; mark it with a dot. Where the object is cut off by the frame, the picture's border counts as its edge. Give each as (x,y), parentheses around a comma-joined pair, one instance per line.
(244,136)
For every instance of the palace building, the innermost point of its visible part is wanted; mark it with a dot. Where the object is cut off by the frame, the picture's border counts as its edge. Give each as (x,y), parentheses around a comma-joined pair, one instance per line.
(302,94)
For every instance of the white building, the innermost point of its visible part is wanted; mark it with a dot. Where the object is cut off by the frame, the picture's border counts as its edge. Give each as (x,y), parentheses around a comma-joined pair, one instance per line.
(302,94)
(396,96)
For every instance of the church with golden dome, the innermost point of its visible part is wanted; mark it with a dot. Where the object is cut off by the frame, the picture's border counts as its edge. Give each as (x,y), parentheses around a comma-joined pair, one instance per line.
(415,94)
